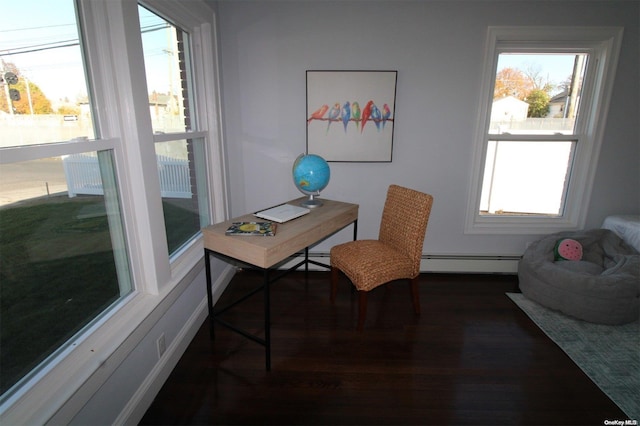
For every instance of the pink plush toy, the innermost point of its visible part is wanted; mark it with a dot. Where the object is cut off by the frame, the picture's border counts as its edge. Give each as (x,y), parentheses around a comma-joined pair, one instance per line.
(568,249)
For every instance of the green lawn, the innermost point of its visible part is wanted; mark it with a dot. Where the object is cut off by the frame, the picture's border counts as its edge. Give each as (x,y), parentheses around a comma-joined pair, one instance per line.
(57,272)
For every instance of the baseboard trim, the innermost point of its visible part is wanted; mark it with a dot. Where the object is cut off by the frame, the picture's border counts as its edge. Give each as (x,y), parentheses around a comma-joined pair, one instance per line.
(142,399)
(140,402)
(441,263)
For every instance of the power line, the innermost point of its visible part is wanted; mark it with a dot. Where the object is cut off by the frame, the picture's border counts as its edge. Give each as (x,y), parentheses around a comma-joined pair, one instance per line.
(36,28)
(39,49)
(67,43)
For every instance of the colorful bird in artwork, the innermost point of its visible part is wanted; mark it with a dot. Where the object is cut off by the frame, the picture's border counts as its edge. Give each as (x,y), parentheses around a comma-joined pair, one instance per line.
(386,113)
(346,114)
(376,116)
(355,113)
(334,114)
(318,114)
(366,112)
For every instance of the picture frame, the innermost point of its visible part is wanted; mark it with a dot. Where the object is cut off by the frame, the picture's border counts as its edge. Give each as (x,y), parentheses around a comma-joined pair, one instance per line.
(351,115)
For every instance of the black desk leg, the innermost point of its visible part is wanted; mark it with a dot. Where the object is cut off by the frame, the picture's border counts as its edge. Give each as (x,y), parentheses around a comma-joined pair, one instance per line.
(306,263)
(207,267)
(267,321)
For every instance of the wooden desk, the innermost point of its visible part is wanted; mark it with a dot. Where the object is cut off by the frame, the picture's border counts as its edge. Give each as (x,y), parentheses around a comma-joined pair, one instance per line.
(265,253)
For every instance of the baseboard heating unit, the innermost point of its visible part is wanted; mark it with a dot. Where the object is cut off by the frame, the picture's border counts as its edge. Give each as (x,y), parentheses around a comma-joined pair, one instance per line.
(444,263)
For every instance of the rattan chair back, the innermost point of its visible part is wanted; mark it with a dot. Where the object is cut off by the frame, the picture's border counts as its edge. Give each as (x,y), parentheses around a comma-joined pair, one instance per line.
(404,222)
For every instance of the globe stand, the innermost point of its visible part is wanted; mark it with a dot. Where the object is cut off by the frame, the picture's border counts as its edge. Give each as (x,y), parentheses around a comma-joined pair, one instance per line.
(311,202)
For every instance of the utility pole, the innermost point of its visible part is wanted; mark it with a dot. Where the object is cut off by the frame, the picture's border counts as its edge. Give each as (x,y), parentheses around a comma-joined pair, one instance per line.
(26,82)
(576,83)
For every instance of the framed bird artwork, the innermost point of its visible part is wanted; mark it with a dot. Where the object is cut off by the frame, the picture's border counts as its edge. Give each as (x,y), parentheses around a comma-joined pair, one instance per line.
(351,115)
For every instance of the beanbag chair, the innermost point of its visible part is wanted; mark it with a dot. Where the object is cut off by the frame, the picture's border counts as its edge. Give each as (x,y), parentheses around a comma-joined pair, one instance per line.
(602,287)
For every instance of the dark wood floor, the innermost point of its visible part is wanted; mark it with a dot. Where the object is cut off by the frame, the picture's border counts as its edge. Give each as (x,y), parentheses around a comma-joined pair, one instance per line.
(472,357)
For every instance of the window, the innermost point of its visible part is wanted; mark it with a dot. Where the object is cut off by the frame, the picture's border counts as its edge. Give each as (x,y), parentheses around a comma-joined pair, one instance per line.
(64,260)
(544,101)
(167,50)
(535,95)
(91,242)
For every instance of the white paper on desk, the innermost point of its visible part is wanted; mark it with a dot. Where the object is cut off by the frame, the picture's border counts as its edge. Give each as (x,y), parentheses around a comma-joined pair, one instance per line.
(282,213)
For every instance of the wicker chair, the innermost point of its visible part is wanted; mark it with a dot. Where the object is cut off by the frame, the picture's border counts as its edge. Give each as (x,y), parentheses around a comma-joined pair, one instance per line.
(394,255)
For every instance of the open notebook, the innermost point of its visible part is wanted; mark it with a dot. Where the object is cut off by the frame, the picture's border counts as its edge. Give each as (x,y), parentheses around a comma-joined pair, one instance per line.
(282,213)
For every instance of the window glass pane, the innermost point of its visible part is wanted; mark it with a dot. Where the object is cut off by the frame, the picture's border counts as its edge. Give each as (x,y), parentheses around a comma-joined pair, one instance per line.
(165,57)
(537,93)
(43,89)
(61,245)
(183,189)
(181,162)
(525,177)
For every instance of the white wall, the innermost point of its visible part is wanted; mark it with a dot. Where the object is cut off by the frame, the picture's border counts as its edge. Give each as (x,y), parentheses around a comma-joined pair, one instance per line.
(130,379)
(437,47)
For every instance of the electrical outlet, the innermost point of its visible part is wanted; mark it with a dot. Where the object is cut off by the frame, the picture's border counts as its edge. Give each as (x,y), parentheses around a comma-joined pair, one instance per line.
(162,347)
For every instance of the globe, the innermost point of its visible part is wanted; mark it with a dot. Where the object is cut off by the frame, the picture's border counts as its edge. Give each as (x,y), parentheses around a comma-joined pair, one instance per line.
(311,175)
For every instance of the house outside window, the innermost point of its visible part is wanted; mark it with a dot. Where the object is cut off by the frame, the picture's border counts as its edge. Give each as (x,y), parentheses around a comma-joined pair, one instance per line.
(544,100)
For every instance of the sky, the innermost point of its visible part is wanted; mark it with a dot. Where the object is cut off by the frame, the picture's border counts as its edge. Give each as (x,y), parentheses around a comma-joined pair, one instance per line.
(48,36)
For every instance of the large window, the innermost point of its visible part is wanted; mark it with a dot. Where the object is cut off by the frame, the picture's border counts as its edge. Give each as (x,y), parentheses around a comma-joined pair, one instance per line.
(532,133)
(104,185)
(545,97)
(167,50)
(64,261)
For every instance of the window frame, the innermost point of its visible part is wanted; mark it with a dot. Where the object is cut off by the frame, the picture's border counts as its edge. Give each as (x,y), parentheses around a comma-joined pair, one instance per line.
(603,46)
(194,55)
(114,65)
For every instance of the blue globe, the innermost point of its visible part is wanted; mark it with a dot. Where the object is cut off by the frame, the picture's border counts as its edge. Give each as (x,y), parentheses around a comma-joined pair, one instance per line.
(311,174)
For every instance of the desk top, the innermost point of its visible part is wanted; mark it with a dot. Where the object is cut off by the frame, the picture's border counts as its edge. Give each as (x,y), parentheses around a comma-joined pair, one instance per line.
(290,238)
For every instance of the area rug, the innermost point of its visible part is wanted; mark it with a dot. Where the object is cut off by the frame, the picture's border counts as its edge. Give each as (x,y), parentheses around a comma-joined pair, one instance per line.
(608,354)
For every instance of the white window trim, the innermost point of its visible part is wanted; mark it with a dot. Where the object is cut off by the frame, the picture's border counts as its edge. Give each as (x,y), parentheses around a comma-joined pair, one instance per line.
(65,385)
(208,109)
(603,43)
(35,152)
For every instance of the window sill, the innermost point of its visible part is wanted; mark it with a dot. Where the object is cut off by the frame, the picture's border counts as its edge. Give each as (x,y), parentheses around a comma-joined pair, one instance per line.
(519,225)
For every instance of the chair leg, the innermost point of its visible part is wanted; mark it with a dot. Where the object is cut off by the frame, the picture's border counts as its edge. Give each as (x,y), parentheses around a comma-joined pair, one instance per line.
(415,295)
(334,284)
(362,311)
